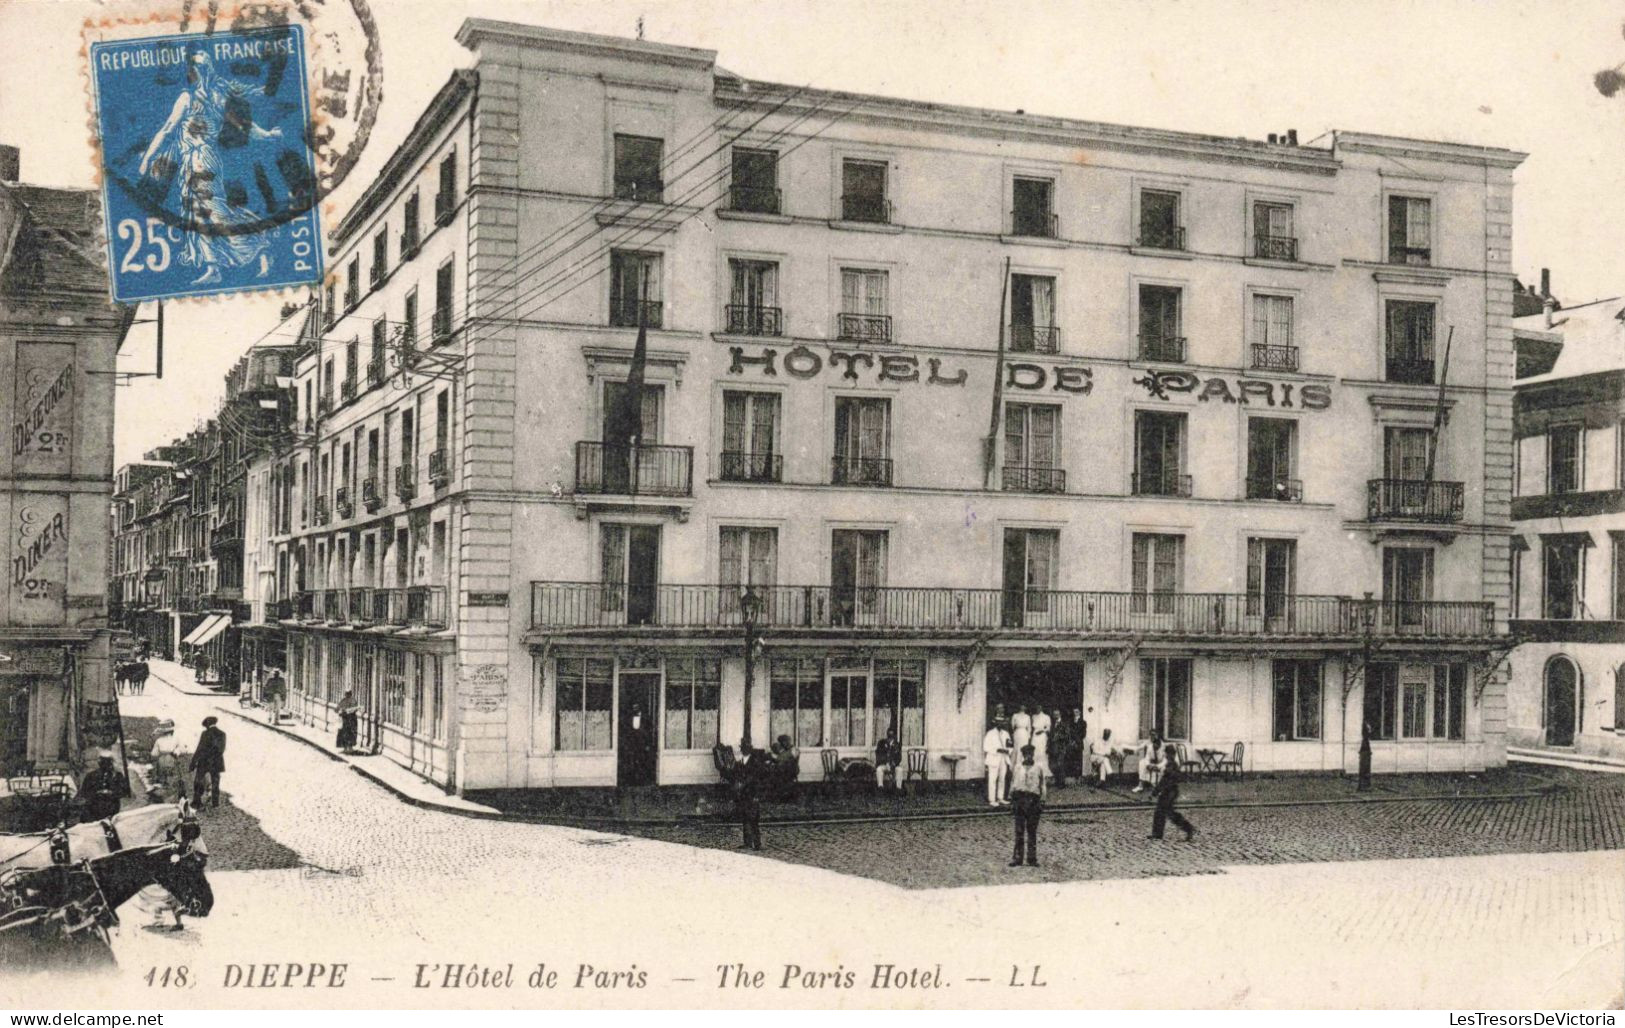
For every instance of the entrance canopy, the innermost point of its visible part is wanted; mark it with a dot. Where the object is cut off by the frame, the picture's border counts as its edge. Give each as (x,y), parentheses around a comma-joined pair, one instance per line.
(195,636)
(220,624)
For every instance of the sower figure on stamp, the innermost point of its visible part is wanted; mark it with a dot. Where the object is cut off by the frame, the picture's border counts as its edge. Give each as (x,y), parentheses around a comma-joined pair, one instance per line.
(208,763)
(1029,783)
(1166,794)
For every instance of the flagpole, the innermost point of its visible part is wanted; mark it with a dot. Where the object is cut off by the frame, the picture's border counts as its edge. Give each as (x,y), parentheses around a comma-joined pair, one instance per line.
(1438,410)
(990,448)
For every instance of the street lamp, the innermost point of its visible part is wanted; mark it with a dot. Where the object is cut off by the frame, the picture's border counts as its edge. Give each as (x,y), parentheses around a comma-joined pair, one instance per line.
(750,608)
(1368,619)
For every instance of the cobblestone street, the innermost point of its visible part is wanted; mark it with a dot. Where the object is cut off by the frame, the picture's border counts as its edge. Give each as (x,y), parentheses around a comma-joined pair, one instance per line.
(1284,906)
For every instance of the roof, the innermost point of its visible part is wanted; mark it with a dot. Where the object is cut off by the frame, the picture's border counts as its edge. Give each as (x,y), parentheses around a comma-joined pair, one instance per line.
(1592,334)
(53,247)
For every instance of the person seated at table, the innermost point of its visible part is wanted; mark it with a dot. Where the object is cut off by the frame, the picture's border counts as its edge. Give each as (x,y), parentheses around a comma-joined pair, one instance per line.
(1150,761)
(785,764)
(1102,755)
(888,755)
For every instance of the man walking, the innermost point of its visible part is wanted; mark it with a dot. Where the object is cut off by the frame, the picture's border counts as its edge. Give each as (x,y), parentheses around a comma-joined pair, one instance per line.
(996,755)
(1166,793)
(208,763)
(1029,784)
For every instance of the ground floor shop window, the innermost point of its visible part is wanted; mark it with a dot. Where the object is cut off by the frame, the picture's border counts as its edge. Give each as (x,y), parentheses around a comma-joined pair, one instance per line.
(796,705)
(336,681)
(394,687)
(1297,699)
(1449,701)
(1381,699)
(418,663)
(585,696)
(437,697)
(1426,702)
(1414,709)
(850,703)
(848,706)
(900,700)
(1165,697)
(693,695)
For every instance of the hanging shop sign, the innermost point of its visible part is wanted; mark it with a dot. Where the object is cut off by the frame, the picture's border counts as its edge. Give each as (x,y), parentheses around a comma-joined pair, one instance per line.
(1165,385)
(803,362)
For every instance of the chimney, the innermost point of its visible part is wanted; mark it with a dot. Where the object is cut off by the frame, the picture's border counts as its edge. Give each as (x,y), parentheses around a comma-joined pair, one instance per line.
(11,163)
(1546,282)
(1273,138)
(1291,137)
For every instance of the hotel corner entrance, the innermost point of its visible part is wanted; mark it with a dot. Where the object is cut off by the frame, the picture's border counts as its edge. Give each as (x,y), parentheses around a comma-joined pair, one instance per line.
(1050,684)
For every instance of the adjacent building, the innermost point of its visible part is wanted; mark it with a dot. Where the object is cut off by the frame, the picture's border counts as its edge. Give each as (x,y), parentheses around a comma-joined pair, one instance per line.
(946,409)
(1568,556)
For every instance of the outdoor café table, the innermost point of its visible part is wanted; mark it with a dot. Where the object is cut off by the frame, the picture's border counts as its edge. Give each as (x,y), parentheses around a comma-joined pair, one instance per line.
(1210,760)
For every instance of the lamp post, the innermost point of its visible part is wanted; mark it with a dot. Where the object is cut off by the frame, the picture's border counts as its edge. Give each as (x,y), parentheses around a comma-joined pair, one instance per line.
(750,607)
(1368,618)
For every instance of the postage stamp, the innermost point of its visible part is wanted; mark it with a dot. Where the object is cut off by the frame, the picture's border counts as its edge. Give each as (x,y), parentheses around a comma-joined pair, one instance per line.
(209,177)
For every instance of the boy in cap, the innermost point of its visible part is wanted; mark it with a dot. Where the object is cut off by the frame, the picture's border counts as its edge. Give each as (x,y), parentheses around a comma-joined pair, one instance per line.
(1028,786)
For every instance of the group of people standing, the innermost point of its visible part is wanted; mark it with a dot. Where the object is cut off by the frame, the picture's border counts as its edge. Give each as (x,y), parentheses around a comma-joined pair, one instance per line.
(1056,739)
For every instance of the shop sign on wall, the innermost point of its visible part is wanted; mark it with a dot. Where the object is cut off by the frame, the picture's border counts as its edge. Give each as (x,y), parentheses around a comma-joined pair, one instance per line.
(482,687)
(39,558)
(42,412)
(803,362)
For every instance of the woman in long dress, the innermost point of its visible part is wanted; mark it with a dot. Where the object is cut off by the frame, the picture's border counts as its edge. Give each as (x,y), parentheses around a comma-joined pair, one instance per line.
(349,711)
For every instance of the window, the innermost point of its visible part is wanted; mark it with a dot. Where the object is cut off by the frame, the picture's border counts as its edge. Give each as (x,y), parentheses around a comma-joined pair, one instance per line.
(441,328)
(1405,454)
(1297,699)
(900,700)
(747,557)
(863,192)
(1032,314)
(1273,235)
(437,698)
(393,681)
(750,429)
(1032,434)
(327,384)
(796,700)
(1165,697)
(1413,697)
(442,419)
(1029,571)
(409,326)
(418,692)
(1273,349)
(1032,213)
(1618,541)
(1381,699)
(1271,451)
(1160,337)
(1409,353)
(629,564)
(862,441)
(634,289)
(755,186)
(857,573)
(1407,585)
(1517,578)
(1449,701)
(585,692)
(410,229)
(380,257)
(1563,459)
(1272,573)
(1158,567)
(352,367)
(445,199)
(1159,220)
(352,285)
(637,168)
(863,316)
(1410,230)
(849,706)
(693,697)
(753,298)
(1563,575)
(1159,439)
(330,309)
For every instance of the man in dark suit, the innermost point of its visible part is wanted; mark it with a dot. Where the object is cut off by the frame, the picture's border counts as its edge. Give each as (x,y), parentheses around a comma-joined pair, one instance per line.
(1166,793)
(102,789)
(208,762)
(748,782)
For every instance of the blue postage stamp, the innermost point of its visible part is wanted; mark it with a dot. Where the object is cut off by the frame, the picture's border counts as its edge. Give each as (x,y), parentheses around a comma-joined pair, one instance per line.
(208,176)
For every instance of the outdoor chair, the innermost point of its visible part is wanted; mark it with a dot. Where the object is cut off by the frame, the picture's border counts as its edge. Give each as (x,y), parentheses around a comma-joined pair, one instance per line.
(1186,765)
(916,767)
(832,764)
(1233,764)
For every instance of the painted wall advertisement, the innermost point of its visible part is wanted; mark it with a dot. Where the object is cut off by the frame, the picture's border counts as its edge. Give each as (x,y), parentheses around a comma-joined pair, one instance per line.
(39,558)
(42,414)
(482,687)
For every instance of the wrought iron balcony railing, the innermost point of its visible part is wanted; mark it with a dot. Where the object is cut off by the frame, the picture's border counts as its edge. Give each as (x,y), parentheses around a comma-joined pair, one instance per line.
(624,312)
(1160,483)
(1400,499)
(375,371)
(1021,478)
(745,320)
(359,604)
(1036,224)
(1162,348)
(586,605)
(440,325)
(426,605)
(863,328)
(866,207)
(608,469)
(444,206)
(320,512)
(1287,490)
(1416,371)
(860,471)
(439,468)
(406,482)
(752,467)
(1035,338)
(1274,358)
(343,503)
(1162,237)
(371,497)
(347,390)
(755,199)
(1275,248)
(304,603)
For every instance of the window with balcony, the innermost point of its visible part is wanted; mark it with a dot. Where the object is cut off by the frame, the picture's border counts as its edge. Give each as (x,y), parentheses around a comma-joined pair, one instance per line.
(1410,230)
(380,258)
(755,184)
(753,298)
(1273,346)
(637,168)
(1272,579)
(352,368)
(1165,697)
(445,199)
(330,309)
(1159,220)
(862,441)
(1030,558)
(1407,585)
(1405,453)
(1409,344)
(326,403)
(1297,699)
(439,460)
(746,557)
(750,435)
(857,573)
(352,285)
(629,562)
(864,313)
(1159,454)
(440,330)
(1272,460)
(693,699)
(1563,459)
(1032,314)
(410,226)
(1032,434)
(1157,569)
(1033,208)
(585,689)
(1274,237)
(863,192)
(375,357)
(634,289)
(1161,338)
(1563,579)
(409,328)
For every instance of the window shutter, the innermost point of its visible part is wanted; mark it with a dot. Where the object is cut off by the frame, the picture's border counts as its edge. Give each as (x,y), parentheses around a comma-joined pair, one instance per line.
(845,437)
(1255,567)
(1140,562)
(1418,228)
(1040,560)
(650,410)
(1281,321)
(1043,436)
(763,556)
(851,291)
(876,282)
(728,556)
(872,425)
(1261,321)
(1015,435)
(1263,219)
(733,422)
(764,416)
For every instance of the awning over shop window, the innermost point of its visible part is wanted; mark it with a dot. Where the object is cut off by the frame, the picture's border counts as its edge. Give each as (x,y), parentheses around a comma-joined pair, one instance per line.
(207,624)
(221,623)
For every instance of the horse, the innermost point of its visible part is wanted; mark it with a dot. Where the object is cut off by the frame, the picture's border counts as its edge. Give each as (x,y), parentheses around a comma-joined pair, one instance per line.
(141,826)
(131,677)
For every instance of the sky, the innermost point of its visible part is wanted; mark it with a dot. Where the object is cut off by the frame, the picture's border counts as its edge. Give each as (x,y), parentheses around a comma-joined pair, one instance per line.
(1491,72)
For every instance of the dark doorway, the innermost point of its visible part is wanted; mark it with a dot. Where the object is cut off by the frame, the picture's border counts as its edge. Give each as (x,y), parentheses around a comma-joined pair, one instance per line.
(14,744)
(635,734)
(1050,684)
(642,573)
(1562,689)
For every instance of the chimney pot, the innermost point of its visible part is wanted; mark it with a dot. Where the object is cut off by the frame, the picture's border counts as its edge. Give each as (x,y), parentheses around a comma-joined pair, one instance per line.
(11,162)
(1272,137)
(1545,281)
(1291,137)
